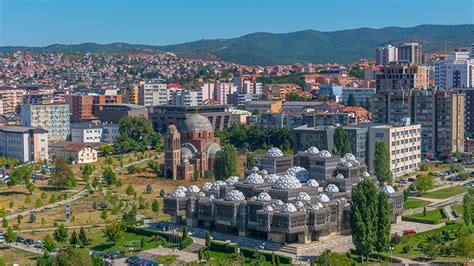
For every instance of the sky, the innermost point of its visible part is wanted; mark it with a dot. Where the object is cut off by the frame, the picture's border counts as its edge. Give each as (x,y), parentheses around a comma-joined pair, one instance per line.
(160,22)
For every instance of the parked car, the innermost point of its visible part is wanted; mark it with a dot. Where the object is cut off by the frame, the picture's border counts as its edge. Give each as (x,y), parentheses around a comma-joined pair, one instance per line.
(471,174)
(408,232)
(403,181)
(133,260)
(2,239)
(29,241)
(117,256)
(39,244)
(412,179)
(20,239)
(438,173)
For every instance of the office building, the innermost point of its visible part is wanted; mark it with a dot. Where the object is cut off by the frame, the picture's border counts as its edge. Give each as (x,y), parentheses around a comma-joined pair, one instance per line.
(112,113)
(52,117)
(152,94)
(401,76)
(24,143)
(385,55)
(410,53)
(403,143)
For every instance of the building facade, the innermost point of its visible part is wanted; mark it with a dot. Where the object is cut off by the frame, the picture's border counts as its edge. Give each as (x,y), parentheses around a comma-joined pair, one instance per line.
(81,107)
(152,94)
(52,117)
(385,55)
(410,53)
(401,76)
(86,133)
(24,143)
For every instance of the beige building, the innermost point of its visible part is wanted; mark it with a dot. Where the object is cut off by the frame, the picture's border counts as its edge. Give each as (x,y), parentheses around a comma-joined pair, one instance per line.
(401,76)
(278,91)
(12,99)
(404,144)
(450,123)
(24,143)
(74,152)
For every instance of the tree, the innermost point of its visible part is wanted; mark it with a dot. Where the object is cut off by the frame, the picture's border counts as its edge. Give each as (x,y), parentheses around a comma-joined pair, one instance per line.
(225,163)
(22,175)
(74,257)
(423,183)
(109,176)
(63,177)
(149,189)
(4,222)
(341,142)
(74,239)
(87,171)
(431,249)
(104,215)
(113,231)
(136,134)
(464,245)
(48,244)
(351,100)
(382,163)
(60,234)
(162,193)
(382,233)
(106,149)
(32,217)
(363,217)
(250,160)
(155,207)
(83,239)
(142,243)
(185,233)
(196,175)
(10,236)
(208,239)
(328,257)
(130,190)
(468,207)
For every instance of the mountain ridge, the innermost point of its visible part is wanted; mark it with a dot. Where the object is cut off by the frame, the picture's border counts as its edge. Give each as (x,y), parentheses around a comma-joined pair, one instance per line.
(305,46)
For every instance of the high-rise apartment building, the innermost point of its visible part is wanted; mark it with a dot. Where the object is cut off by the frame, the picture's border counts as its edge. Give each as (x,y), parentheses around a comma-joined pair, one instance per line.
(131,94)
(410,53)
(186,98)
(52,117)
(81,107)
(152,94)
(449,123)
(24,143)
(454,71)
(385,55)
(402,76)
(12,99)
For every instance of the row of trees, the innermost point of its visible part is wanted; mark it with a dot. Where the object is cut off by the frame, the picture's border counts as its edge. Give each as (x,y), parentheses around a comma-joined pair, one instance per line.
(250,137)
(136,134)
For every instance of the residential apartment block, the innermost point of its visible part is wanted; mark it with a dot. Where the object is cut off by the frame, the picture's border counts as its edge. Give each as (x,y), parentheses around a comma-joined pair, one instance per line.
(24,143)
(385,55)
(12,99)
(410,53)
(454,71)
(52,117)
(152,94)
(401,76)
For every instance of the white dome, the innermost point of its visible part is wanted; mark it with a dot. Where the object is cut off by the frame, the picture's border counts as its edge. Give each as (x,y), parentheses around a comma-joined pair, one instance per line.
(348,164)
(279,202)
(254,169)
(254,178)
(193,189)
(264,172)
(274,152)
(299,172)
(218,184)
(388,189)
(207,186)
(183,188)
(312,150)
(323,198)
(289,207)
(268,208)
(234,195)
(331,188)
(313,183)
(343,160)
(349,157)
(201,194)
(271,178)
(365,174)
(264,196)
(316,206)
(286,182)
(299,205)
(212,197)
(340,176)
(179,194)
(325,153)
(303,196)
(232,180)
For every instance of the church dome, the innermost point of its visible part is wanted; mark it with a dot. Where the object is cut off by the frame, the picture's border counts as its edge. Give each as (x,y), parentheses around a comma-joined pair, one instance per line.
(212,150)
(197,123)
(186,153)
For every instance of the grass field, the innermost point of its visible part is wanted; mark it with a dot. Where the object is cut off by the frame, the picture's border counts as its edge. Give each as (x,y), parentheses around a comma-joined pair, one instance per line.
(457,208)
(446,192)
(129,242)
(434,217)
(11,256)
(414,203)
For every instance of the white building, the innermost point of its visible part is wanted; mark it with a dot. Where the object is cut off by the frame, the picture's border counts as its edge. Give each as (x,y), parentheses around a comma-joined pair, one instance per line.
(152,94)
(24,143)
(86,133)
(385,55)
(456,71)
(186,98)
(110,132)
(222,90)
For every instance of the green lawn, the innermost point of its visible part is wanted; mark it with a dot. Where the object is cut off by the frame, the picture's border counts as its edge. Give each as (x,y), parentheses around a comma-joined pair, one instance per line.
(414,203)
(129,241)
(446,192)
(431,217)
(457,208)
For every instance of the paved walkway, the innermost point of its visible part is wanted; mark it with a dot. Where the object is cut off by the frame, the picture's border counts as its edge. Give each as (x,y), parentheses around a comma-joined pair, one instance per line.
(183,256)
(54,228)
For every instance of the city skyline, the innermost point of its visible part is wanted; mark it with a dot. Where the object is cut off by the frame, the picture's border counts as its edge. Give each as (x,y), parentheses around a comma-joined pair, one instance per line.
(47,22)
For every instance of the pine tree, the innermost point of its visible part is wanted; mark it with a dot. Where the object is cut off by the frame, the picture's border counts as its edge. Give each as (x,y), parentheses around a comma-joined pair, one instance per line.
(60,234)
(225,163)
(74,239)
(383,223)
(84,241)
(468,207)
(208,239)
(341,142)
(382,163)
(351,101)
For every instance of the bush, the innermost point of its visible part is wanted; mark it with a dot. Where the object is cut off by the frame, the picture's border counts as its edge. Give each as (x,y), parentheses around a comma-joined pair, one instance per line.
(406,248)
(252,253)
(222,247)
(151,233)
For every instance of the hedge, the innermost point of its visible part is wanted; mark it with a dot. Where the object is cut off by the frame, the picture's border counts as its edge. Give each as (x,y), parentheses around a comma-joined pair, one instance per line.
(222,247)
(166,236)
(251,253)
(426,221)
